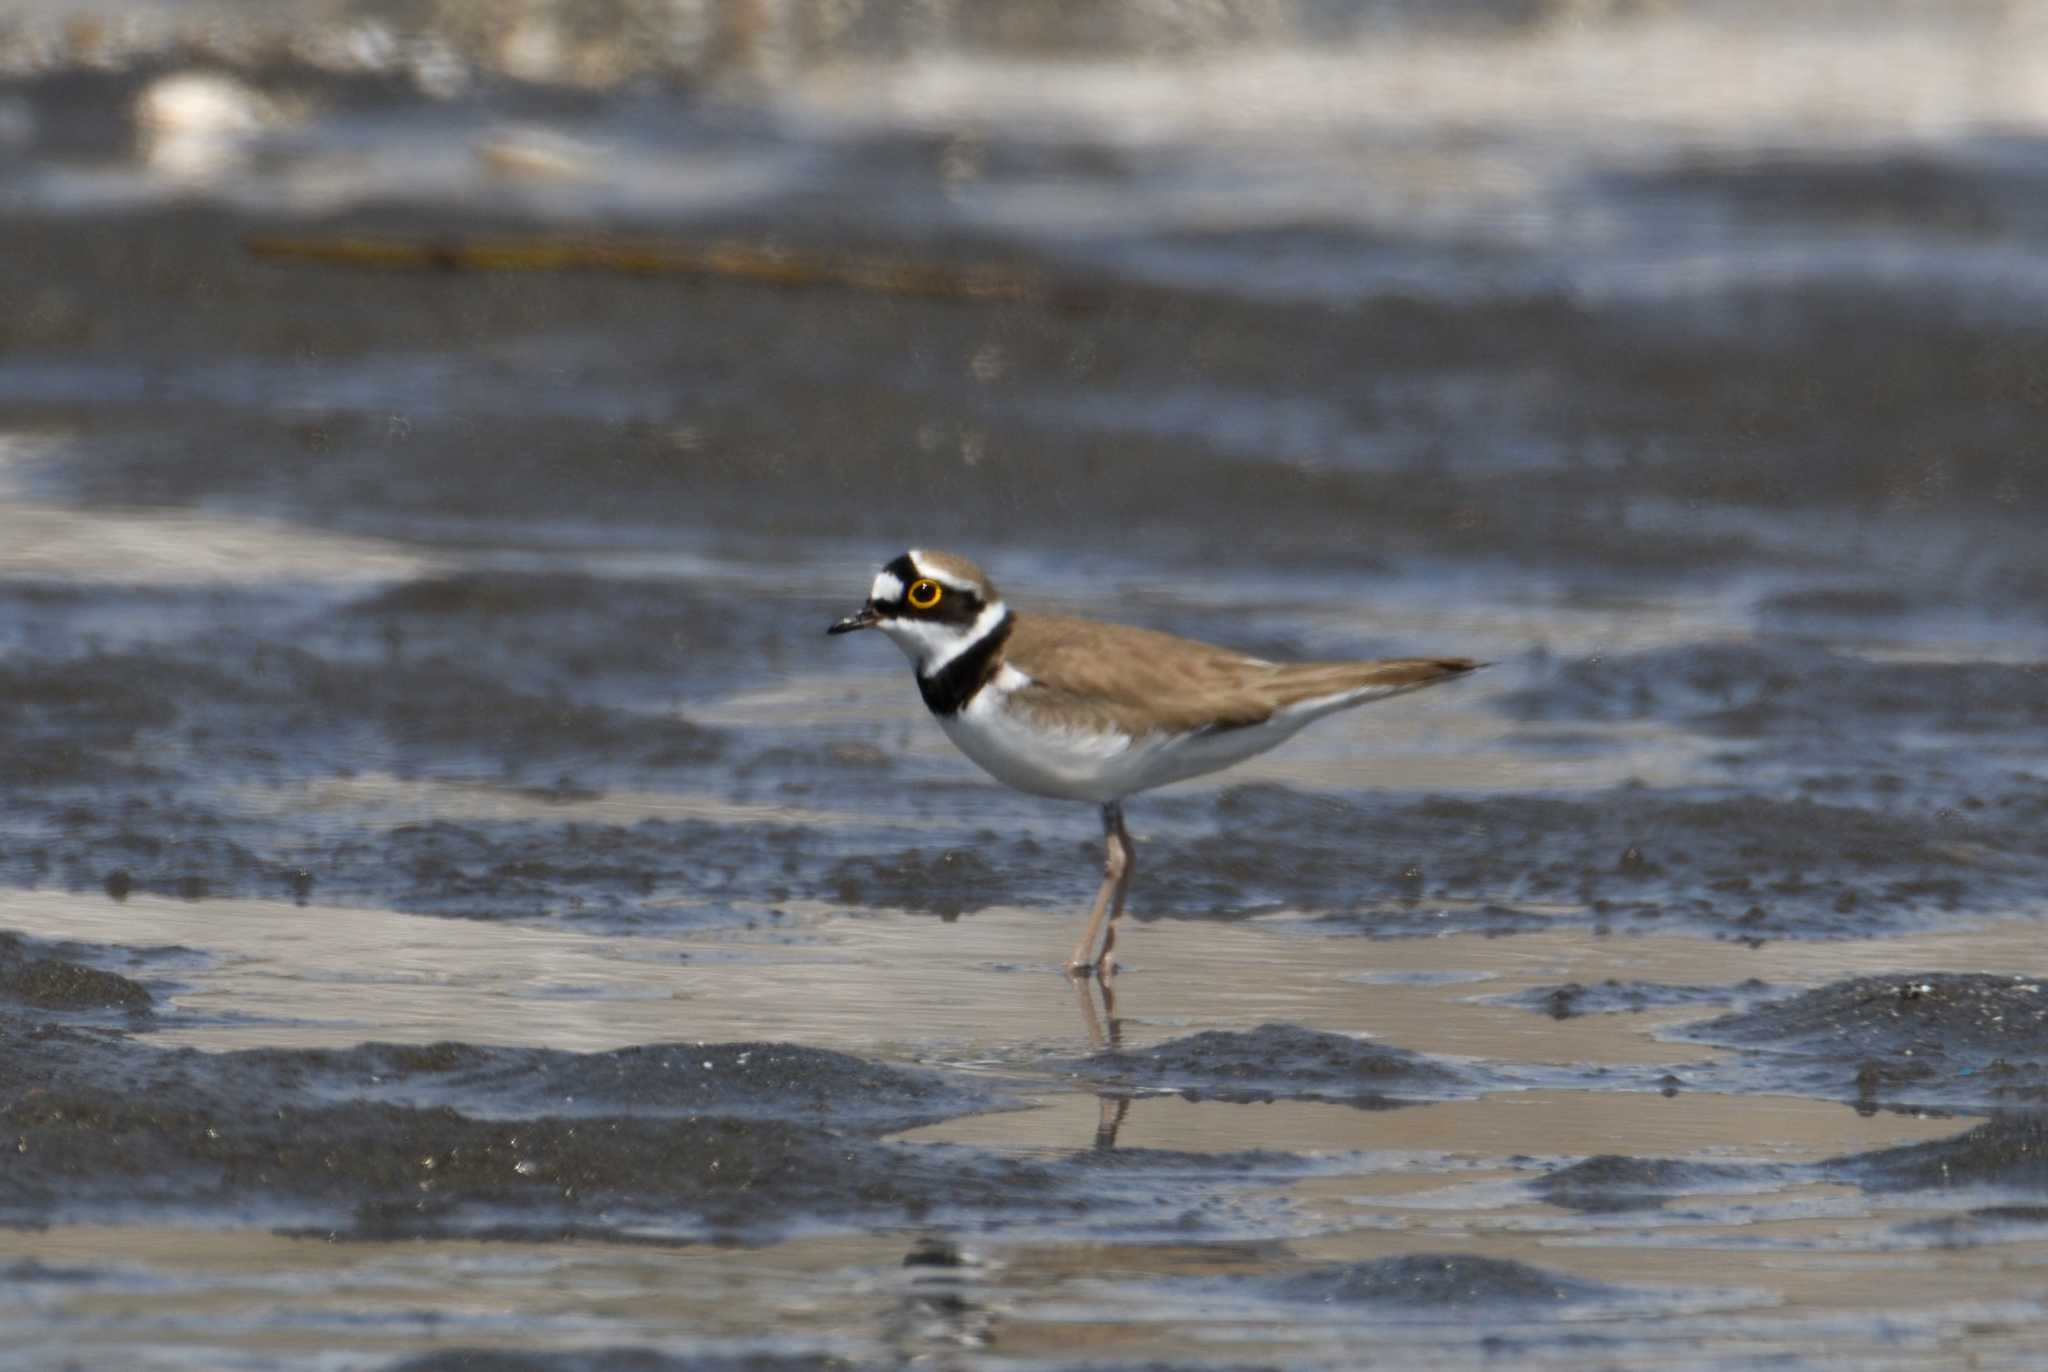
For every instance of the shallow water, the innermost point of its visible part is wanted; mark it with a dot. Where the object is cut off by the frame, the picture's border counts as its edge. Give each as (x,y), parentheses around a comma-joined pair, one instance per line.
(433,660)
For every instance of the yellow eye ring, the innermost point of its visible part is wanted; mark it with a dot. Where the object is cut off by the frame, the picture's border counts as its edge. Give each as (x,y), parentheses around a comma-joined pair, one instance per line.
(923,594)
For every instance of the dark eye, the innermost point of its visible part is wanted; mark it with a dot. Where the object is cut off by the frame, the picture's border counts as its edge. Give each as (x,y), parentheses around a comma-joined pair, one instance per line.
(923,594)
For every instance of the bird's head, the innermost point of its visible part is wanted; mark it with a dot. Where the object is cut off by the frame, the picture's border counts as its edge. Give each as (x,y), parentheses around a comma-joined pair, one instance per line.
(932,604)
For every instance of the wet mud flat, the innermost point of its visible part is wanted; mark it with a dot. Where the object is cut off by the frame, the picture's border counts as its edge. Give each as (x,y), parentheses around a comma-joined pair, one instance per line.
(468,915)
(1283,1189)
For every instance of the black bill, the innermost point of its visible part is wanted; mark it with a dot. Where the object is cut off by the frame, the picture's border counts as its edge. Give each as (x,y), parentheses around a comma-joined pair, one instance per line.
(866,619)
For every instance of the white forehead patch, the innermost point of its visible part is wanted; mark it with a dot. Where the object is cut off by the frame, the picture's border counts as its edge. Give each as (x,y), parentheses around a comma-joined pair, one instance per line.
(886,588)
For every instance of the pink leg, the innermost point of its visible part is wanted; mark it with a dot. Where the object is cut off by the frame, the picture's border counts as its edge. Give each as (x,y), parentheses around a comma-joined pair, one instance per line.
(1105,966)
(1109,898)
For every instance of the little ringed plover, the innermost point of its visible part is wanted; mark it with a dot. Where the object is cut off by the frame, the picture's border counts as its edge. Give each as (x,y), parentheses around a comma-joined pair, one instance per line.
(1077,709)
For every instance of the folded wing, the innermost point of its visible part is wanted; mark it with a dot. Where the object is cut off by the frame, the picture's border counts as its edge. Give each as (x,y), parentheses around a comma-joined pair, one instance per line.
(1137,681)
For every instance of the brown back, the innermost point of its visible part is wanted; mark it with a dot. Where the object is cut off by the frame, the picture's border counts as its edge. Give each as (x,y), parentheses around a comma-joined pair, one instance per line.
(1138,680)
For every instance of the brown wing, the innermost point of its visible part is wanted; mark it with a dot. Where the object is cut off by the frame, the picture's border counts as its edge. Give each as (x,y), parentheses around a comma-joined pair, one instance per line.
(1136,680)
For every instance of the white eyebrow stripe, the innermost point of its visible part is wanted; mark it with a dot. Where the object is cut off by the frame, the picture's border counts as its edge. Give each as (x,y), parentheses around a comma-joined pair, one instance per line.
(944,578)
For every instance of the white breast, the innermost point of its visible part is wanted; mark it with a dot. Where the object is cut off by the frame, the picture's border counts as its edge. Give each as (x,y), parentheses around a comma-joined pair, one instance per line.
(1067,764)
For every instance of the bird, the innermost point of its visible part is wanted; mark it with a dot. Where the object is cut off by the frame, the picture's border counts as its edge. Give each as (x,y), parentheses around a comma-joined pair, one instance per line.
(1083,709)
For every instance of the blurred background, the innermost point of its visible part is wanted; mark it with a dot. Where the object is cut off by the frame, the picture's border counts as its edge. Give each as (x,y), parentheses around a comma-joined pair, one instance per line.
(1673,294)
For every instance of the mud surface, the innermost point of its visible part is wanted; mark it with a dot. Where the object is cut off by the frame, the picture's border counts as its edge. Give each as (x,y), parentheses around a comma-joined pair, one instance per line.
(1741,867)
(1610,1184)
(613,1360)
(387,1139)
(1437,1284)
(431,814)
(1276,1061)
(2003,1154)
(1927,1038)
(35,976)
(1631,997)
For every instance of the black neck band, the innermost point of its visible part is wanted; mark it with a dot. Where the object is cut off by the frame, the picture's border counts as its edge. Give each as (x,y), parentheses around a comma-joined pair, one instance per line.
(947,691)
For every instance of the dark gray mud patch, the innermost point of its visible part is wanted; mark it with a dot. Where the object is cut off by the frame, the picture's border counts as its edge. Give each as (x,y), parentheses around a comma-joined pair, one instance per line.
(628,874)
(231,706)
(444,705)
(1427,1282)
(1167,1161)
(1746,867)
(731,1080)
(494,673)
(393,1171)
(1907,191)
(676,1142)
(619,1360)
(1845,602)
(560,632)
(657,1081)
(75,721)
(153,844)
(1507,1306)
(656,873)
(1922,1038)
(742,1139)
(1278,1062)
(1789,692)
(2008,1153)
(1985,1224)
(947,883)
(1611,1184)
(1627,997)
(36,975)
(1496,1295)
(27,1270)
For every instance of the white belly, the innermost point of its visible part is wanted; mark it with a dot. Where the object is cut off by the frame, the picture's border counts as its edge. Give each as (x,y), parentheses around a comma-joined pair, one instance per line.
(1078,764)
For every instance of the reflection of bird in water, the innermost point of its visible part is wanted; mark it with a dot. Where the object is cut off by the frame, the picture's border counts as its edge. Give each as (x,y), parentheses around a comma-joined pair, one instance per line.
(1115,1110)
(1105,1034)
(1100,1038)
(1081,710)
(940,1306)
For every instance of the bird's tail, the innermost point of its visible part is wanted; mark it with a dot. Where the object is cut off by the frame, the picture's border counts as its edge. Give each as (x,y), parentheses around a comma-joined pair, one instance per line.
(1318,687)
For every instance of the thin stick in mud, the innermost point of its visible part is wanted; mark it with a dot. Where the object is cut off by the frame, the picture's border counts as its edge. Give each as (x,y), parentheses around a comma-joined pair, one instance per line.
(784,268)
